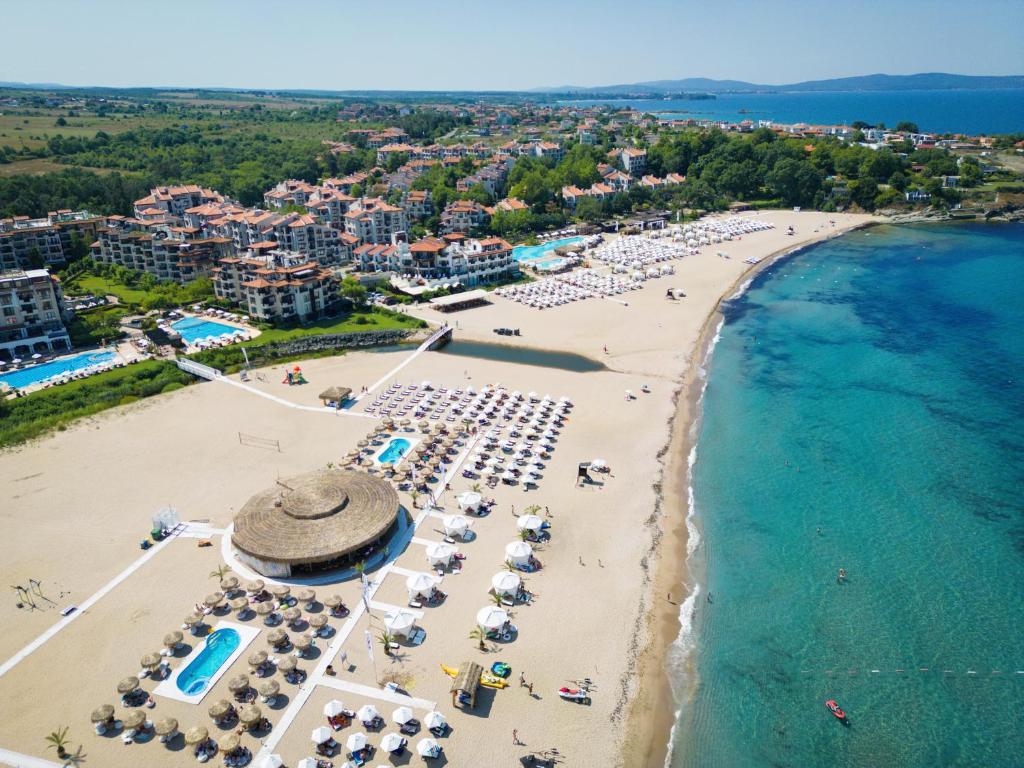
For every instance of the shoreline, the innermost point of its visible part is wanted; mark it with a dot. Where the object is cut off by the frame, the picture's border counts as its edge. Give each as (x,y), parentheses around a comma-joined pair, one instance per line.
(652,711)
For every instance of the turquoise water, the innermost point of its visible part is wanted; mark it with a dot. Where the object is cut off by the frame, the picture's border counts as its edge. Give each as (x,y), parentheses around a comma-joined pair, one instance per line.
(37,373)
(218,648)
(950,111)
(395,451)
(870,387)
(194,328)
(532,252)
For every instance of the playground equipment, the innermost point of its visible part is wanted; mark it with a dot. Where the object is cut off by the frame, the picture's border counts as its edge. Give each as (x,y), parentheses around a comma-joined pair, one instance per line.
(294,376)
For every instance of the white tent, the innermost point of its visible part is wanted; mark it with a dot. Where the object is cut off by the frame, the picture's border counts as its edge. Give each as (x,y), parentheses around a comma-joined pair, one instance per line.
(456,525)
(519,552)
(356,741)
(506,582)
(367,713)
(402,715)
(438,552)
(491,617)
(321,735)
(420,584)
(428,748)
(333,708)
(434,719)
(399,622)
(391,742)
(529,523)
(469,501)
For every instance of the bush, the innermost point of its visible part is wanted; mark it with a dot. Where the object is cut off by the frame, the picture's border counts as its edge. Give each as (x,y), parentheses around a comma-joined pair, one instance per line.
(174,386)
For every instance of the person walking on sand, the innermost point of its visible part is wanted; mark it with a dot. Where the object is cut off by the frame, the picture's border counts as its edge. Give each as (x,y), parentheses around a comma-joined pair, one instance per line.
(515,738)
(522,679)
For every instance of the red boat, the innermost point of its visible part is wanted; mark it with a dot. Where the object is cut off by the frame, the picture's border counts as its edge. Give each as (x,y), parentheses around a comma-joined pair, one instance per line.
(835,709)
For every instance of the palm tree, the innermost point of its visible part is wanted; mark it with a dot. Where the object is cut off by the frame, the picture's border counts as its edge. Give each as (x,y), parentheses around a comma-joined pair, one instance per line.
(415,495)
(220,572)
(476,488)
(496,599)
(466,424)
(480,636)
(59,740)
(533,509)
(524,534)
(509,566)
(386,639)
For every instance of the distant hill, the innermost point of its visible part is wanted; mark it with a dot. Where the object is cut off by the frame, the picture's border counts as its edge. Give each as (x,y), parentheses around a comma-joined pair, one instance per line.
(928,81)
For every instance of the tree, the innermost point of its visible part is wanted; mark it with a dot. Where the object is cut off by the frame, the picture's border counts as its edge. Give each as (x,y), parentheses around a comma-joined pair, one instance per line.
(352,291)
(61,122)
(59,740)
(478,634)
(795,182)
(415,495)
(220,572)
(905,126)
(386,639)
(589,209)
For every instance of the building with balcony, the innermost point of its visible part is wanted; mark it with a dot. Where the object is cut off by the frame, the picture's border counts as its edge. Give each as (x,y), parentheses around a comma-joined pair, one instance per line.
(464,216)
(36,243)
(32,314)
(272,291)
(374,221)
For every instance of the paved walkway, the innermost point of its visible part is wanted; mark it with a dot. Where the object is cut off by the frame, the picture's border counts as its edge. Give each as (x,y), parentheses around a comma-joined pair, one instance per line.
(18,760)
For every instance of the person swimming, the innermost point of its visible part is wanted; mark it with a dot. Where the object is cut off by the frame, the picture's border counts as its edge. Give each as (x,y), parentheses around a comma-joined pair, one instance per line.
(842,575)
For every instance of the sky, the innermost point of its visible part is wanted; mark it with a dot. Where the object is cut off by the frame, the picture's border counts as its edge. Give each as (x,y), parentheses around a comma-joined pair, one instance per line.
(488,45)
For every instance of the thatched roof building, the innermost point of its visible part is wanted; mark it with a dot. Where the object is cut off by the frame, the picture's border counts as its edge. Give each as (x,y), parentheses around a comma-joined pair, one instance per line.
(314,521)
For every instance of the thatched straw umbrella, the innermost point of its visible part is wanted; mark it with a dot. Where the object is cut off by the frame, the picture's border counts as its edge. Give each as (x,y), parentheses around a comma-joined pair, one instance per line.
(287,664)
(306,596)
(239,604)
(128,684)
(193,619)
(264,609)
(318,621)
(366,463)
(291,615)
(103,714)
(133,719)
(214,600)
(277,638)
(167,726)
(220,709)
(268,689)
(424,424)
(404,423)
(258,658)
(279,590)
(333,601)
(302,642)
(238,684)
(228,743)
(363,443)
(172,639)
(197,734)
(250,714)
(254,587)
(150,661)
(229,583)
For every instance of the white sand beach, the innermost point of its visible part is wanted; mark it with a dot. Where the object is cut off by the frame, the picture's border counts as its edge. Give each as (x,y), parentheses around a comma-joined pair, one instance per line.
(78,503)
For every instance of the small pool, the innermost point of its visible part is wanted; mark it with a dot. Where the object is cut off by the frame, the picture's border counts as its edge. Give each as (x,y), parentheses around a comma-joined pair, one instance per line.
(534,252)
(219,646)
(43,371)
(192,329)
(394,451)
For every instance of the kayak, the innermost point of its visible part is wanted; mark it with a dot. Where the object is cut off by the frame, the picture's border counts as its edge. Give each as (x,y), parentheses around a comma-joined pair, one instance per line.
(835,709)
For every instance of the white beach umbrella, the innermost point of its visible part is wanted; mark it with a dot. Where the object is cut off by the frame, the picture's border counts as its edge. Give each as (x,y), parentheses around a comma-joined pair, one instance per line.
(469,500)
(367,713)
(434,720)
(306,762)
(428,748)
(356,741)
(391,742)
(598,464)
(270,761)
(505,583)
(399,622)
(402,715)
(455,525)
(321,735)
(519,552)
(440,552)
(333,708)
(491,617)
(420,584)
(529,523)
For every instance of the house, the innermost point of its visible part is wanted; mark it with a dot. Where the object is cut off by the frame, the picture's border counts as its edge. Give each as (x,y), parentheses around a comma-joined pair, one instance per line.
(464,216)
(917,196)
(462,261)
(633,160)
(32,314)
(572,195)
(175,254)
(418,204)
(511,205)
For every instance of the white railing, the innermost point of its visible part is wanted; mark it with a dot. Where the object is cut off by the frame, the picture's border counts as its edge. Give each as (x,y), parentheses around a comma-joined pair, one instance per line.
(197,369)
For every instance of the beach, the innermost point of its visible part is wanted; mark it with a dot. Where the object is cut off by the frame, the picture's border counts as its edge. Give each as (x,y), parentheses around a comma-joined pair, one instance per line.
(82,499)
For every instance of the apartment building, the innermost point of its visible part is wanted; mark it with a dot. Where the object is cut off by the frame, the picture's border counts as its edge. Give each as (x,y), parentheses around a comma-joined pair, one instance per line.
(289,192)
(274,292)
(374,221)
(177,254)
(633,160)
(35,243)
(298,232)
(464,261)
(418,204)
(31,314)
(464,216)
(174,201)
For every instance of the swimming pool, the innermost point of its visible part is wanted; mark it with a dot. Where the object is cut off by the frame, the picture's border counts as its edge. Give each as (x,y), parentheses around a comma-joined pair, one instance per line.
(196,677)
(534,252)
(192,329)
(396,450)
(38,373)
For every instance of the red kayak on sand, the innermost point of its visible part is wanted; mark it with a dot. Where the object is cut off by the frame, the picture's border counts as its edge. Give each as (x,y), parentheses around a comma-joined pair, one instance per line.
(835,709)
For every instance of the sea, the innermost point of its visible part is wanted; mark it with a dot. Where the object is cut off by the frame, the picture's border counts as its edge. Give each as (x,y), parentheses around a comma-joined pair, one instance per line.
(864,410)
(951,111)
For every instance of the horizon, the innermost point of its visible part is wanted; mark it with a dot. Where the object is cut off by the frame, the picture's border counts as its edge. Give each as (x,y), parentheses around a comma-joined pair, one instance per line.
(436,49)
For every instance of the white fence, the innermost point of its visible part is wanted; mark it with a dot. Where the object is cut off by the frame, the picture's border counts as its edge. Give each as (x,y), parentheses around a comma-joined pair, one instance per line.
(197,369)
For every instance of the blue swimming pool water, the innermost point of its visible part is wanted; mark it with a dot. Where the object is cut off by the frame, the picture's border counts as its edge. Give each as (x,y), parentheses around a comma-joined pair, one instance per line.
(395,451)
(194,328)
(532,252)
(37,373)
(196,676)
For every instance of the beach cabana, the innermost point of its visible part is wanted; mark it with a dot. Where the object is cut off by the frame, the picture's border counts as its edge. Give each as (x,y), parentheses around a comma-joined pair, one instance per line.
(270,761)
(530,523)
(420,585)
(469,501)
(334,396)
(506,583)
(465,684)
(491,618)
(518,552)
(399,623)
(440,553)
(456,525)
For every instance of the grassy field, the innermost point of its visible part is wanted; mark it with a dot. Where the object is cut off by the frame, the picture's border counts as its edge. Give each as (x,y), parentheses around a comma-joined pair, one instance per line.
(40,165)
(357,321)
(102,286)
(33,130)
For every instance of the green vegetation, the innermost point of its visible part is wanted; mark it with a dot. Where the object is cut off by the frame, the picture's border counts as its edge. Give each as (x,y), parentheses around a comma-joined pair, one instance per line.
(374,319)
(96,326)
(28,417)
(137,290)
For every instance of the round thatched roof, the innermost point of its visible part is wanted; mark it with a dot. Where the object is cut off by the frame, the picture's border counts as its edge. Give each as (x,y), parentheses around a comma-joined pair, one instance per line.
(315,517)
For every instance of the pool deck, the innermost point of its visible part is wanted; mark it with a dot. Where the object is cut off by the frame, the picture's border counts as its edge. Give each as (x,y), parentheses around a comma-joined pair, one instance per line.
(169,688)
(412,441)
